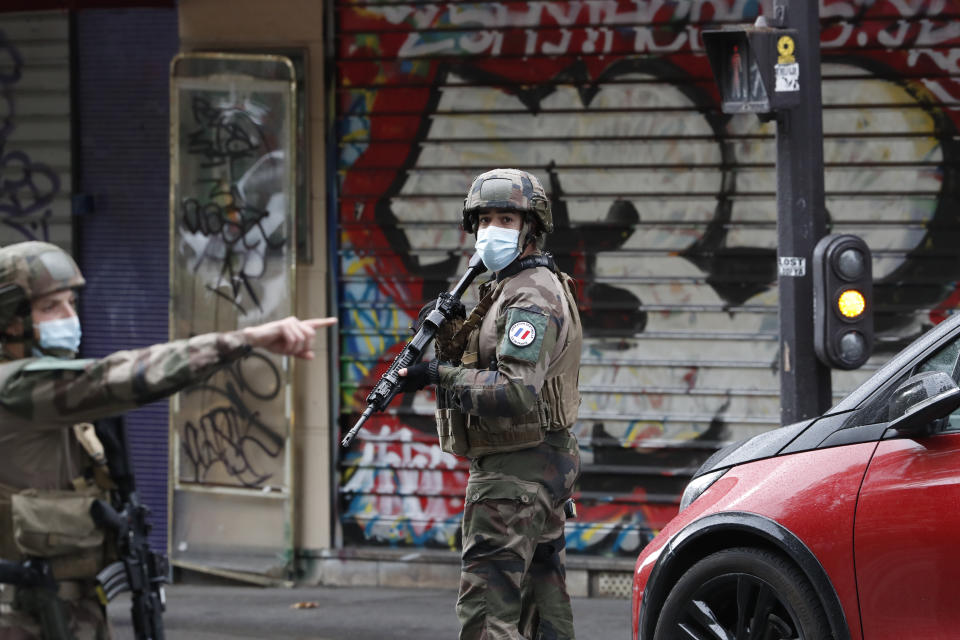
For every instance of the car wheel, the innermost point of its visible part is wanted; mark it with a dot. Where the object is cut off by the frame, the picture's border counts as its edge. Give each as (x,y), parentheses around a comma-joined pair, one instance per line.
(743,594)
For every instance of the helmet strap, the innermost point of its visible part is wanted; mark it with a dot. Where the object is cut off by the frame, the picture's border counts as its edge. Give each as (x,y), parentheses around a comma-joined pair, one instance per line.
(528,232)
(25,338)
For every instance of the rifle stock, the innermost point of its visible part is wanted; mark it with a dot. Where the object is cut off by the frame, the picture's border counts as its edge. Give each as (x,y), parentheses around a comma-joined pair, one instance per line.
(390,382)
(140,570)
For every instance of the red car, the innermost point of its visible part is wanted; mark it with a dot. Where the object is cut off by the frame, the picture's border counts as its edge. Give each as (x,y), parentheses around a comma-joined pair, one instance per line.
(844,526)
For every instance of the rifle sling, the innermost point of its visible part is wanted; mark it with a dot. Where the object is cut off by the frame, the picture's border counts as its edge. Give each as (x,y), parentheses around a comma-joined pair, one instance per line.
(86,436)
(476,316)
(544,259)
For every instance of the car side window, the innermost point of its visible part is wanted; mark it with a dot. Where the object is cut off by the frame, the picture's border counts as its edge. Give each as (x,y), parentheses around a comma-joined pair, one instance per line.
(875,410)
(946,359)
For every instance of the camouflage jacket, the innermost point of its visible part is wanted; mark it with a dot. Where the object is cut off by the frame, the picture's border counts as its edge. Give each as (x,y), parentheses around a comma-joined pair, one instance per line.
(521,366)
(40,397)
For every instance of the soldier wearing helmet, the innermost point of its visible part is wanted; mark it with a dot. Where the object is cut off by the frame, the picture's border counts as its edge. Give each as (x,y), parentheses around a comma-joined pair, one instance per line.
(45,471)
(511,398)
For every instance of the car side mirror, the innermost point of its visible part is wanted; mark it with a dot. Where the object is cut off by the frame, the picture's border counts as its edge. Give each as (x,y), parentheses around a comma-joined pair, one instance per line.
(919,403)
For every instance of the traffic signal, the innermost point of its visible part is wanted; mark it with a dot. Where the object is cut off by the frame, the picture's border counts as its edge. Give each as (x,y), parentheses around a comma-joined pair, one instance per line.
(842,301)
(755,67)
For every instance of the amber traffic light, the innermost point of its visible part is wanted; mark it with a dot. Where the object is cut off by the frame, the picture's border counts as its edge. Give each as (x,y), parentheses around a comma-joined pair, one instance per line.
(842,301)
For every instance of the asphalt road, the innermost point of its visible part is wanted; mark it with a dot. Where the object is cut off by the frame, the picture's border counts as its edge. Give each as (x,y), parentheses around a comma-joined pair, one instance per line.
(342,613)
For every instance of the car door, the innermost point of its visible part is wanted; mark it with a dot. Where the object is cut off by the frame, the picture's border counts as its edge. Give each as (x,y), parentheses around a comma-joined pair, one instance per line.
(905,533)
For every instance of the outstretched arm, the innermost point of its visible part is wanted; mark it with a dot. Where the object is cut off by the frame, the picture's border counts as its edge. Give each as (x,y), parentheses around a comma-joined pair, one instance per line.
(289,337)
(55,392)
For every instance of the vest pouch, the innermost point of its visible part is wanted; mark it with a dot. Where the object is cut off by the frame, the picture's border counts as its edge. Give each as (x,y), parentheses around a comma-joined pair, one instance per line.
(48,524)
(500,434)
(564,403)
(452,431)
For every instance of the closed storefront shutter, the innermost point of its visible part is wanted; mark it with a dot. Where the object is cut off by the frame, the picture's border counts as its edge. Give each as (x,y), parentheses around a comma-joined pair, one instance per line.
(35,137)
(665,211)
(123,122)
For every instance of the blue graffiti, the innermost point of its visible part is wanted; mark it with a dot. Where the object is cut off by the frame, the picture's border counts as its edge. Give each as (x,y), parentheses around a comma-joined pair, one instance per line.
(402,530)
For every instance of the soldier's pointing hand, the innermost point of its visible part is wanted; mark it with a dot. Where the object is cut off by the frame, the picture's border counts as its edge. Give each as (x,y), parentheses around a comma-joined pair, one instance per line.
(289,337)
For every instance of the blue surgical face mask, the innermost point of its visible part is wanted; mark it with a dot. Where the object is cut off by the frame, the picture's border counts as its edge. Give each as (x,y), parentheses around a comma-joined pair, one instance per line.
(62,334)
(498,247)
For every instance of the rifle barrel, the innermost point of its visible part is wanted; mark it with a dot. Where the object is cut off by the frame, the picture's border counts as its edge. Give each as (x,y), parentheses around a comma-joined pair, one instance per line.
(347,439)
(414,350)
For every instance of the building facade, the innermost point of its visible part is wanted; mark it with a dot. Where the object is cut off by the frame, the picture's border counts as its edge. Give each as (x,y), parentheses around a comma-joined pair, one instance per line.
(665,211)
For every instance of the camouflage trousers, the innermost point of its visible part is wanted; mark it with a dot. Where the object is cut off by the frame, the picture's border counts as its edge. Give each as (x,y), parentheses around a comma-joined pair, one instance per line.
(513,578)
(87,620)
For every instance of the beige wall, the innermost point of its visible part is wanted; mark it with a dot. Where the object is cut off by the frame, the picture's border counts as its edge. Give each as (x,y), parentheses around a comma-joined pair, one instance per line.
(282,25)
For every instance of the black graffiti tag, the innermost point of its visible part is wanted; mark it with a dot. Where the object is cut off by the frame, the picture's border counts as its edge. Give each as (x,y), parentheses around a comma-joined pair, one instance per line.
(233,219)
(232,434)
(28,188)
(223,135)
(240,253)
(230,222)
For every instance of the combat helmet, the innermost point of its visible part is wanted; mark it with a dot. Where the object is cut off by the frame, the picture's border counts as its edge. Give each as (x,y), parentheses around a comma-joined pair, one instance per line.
(29,270)
(507,190)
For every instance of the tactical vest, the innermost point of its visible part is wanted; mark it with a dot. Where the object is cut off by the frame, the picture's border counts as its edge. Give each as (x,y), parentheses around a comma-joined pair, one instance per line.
(56,526)
(53,521)
(557,402)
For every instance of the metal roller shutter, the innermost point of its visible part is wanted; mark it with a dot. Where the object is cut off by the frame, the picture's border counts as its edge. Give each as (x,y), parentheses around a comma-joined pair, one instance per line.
(666,215)
(123,102)
(35,137)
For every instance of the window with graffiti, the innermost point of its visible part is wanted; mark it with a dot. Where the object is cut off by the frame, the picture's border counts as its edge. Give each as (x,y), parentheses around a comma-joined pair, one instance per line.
(233,248)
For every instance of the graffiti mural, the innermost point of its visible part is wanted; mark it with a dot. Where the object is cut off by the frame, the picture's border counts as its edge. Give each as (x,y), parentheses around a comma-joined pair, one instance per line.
(233,253)
(665,211)
(34,129)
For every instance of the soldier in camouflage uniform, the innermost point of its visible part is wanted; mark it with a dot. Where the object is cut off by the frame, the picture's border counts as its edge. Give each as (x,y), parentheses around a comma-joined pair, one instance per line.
(513,396)
(44,391)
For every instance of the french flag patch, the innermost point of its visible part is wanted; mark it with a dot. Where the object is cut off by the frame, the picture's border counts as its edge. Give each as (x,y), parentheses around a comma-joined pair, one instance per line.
(522,333)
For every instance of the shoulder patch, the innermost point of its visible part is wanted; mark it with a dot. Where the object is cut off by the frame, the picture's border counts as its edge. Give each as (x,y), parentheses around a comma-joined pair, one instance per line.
(57,364)
(524,334)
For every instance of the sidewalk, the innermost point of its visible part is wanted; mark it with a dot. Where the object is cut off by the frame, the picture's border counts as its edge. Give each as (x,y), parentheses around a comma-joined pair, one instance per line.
(440,569)
(218,612)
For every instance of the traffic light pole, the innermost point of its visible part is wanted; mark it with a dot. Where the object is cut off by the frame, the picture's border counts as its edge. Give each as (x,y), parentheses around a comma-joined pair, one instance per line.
(805,390)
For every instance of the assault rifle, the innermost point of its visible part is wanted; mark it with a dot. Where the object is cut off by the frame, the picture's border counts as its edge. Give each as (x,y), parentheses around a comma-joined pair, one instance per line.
(37,595)
(390,382)
(140,570)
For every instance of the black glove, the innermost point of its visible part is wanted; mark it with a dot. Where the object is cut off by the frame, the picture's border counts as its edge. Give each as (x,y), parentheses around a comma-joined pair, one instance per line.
(420,375)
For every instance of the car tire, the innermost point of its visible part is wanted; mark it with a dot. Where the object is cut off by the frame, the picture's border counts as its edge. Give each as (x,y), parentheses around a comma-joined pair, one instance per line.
(743,593)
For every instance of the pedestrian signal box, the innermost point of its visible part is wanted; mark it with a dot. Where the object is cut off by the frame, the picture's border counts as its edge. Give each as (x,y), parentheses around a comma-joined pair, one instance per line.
(755,67)
(842,301)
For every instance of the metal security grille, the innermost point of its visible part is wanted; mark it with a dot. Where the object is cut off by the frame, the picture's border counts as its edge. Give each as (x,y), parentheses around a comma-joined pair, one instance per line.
(35,136)
(666,215)
(124,246)
(614,584)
